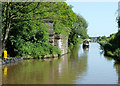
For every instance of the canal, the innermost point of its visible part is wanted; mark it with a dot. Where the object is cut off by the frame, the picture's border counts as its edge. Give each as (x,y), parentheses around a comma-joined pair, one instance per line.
(79,67)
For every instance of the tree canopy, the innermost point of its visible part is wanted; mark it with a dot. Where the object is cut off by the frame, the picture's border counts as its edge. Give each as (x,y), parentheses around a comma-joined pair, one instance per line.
(24,31)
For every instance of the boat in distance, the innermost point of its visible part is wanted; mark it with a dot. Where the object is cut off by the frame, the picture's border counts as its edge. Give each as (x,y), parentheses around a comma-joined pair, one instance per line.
(85,43)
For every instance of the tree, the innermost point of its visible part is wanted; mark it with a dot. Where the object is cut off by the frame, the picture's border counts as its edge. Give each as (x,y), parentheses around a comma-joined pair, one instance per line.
(24,31)
(81,27)
(13,13)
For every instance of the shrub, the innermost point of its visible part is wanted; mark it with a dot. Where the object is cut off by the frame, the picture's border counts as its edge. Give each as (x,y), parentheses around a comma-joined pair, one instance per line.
(109,53)
(102,43)
(71,45)
(108,47)
(117,53)
(54,50)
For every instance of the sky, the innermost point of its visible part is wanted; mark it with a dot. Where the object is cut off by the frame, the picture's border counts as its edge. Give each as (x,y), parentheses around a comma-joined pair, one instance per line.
(100,16)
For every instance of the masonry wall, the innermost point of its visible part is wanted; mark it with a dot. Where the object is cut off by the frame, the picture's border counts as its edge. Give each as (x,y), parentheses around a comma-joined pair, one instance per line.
(62,43)
(57,40)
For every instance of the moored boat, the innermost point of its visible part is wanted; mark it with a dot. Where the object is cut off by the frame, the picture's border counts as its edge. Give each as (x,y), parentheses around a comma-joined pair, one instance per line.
(85,43)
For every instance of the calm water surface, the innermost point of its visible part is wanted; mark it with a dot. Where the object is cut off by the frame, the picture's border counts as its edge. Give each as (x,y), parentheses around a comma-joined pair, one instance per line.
(78,67)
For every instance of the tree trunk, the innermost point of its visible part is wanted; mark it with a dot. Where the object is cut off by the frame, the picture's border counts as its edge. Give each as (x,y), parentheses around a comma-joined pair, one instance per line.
(7,28)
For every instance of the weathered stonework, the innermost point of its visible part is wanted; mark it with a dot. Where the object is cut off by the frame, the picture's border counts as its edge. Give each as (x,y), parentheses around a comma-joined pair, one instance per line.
(57,39)
(61,42)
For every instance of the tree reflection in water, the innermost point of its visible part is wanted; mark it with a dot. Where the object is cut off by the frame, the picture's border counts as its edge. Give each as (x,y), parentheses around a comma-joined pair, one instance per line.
(60,71)
(69,69)
(117,66)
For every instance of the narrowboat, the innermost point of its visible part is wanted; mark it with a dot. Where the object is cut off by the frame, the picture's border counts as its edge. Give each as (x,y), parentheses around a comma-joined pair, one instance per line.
(85,43)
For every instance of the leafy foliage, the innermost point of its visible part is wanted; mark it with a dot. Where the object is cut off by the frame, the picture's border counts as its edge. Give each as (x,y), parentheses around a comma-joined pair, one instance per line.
(25,34)
(111,45)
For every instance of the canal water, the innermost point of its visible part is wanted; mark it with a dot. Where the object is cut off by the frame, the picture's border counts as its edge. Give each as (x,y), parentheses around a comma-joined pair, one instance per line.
(88,66)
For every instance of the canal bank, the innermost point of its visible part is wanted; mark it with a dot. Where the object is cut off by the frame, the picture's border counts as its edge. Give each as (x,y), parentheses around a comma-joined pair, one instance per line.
(78,67)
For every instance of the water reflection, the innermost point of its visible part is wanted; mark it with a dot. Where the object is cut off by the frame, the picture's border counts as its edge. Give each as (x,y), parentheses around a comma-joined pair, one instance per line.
(78,62)
(83,66)
(5,71)
(61,71)
(108,58)
(85,48)
(117,66)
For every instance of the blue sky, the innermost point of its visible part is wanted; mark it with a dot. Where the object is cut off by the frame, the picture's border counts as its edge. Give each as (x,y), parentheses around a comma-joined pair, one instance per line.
(101,16)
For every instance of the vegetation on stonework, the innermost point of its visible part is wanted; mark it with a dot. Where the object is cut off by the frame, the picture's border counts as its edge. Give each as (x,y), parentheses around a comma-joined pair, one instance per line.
(24,33)
(110,45)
